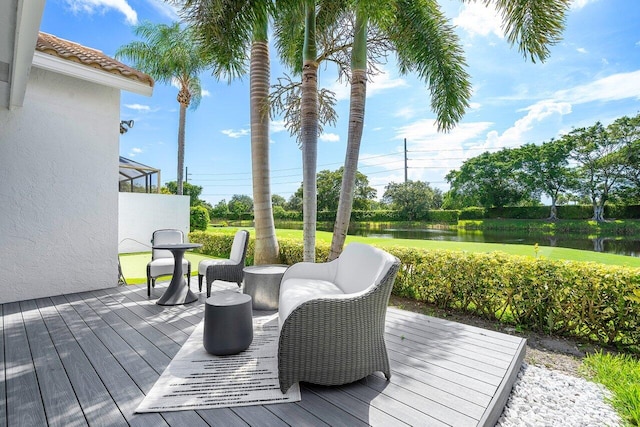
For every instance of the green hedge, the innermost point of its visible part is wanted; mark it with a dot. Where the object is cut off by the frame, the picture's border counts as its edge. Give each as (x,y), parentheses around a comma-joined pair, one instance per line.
(199,218)
(598,302)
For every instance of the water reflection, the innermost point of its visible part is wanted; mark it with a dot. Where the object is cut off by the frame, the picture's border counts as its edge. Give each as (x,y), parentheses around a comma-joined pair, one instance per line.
(621,245)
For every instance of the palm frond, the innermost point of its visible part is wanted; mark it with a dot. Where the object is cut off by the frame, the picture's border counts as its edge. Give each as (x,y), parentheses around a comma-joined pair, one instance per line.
(534,25)
(427,44)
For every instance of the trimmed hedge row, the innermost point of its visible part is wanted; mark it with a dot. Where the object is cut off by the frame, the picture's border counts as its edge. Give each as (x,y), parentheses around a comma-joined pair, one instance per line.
(598,302)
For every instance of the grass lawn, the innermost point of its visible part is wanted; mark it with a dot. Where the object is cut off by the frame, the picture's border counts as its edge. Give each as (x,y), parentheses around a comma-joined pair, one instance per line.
(134,266)
(621,375)
(525,250)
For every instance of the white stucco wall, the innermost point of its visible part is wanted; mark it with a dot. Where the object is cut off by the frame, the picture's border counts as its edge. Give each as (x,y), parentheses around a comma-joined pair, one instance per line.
(141,214)
(58,191)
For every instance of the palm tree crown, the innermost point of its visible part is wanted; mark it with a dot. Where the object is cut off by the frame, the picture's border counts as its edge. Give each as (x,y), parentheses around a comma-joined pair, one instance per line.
(170,55)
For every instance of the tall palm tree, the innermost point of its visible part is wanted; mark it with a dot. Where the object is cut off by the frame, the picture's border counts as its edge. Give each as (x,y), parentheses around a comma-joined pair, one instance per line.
(226,29)
(426,43)
(293,17)
(309,127)
(170,54)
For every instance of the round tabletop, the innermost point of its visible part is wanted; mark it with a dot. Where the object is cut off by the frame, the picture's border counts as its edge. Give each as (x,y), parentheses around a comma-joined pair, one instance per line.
(169,246)
(227,298)
(266,269)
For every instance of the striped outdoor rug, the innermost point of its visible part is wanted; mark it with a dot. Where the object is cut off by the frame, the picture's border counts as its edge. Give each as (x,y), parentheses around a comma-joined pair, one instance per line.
(196,379)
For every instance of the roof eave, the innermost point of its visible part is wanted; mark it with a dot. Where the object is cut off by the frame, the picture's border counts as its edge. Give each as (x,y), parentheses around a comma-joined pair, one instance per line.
(83,72)
(28,19)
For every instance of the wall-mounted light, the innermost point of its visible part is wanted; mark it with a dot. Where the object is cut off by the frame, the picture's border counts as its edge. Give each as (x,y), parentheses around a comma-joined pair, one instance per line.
(125,125)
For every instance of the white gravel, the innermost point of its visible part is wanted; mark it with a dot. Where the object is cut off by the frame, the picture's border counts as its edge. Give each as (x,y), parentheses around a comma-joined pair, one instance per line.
(544,397)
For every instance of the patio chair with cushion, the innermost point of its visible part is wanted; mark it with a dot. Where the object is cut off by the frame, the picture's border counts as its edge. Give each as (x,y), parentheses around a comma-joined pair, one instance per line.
(228,270)
(162,261)
(332,318)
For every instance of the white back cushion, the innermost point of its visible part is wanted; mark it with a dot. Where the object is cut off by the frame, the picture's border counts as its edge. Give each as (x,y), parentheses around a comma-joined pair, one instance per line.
(237,248)
(360,266)
(161,237)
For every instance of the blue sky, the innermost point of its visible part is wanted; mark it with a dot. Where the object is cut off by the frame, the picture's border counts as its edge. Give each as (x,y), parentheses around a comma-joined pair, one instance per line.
(593,74)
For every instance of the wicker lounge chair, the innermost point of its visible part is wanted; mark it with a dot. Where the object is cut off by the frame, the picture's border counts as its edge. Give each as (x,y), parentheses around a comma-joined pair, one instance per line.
(332,318)
(162,261)
(228,270)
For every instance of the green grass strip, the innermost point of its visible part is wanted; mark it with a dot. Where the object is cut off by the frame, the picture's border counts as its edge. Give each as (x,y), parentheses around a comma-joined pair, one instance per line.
(621,375)
(134,266)
(523,250)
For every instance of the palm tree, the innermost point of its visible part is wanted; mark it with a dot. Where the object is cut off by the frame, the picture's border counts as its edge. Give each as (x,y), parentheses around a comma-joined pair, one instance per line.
(170,55)
(426,43)
(291,16)
(225,29)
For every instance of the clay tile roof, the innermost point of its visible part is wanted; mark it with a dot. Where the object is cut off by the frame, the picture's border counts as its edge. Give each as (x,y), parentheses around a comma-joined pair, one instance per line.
(75,52)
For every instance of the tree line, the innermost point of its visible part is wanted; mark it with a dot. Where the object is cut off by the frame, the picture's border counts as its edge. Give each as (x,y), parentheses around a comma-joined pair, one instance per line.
(591,165)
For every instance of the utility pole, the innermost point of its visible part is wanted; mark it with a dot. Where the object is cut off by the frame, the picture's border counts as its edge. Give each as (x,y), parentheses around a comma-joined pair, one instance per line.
(405,160)
(186,174)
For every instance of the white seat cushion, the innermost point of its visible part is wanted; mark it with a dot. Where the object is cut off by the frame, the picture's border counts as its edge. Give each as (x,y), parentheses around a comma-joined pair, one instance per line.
(202,266)
(164,267)
(294,292)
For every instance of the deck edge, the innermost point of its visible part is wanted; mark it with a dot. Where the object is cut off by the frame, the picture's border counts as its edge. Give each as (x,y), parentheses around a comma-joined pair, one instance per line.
(499,400)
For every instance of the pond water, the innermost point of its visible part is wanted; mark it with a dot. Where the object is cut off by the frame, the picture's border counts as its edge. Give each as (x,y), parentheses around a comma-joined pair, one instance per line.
(621,245)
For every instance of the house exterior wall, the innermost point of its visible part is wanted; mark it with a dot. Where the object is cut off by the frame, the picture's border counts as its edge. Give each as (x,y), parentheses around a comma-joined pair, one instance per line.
(59,197)
(140,214)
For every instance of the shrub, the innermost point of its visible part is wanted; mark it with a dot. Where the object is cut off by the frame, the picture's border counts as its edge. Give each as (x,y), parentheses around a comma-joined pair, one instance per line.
(218,244)
(589,300)
(199,218)
(472,213)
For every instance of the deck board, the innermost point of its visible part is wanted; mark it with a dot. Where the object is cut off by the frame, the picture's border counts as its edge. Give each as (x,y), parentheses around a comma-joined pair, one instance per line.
(89,358)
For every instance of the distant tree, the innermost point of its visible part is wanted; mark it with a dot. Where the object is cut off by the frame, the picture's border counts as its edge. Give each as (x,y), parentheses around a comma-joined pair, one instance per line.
(170,54)
(193,191)
(600,165)
(220,209)
(412,198)
(277,200)
(329,184)
(295,201)
(627,130)
(240,204)
(488,180)
(545,168)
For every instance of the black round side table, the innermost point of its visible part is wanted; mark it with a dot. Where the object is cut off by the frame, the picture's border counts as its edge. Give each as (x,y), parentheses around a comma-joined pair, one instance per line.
(228,323)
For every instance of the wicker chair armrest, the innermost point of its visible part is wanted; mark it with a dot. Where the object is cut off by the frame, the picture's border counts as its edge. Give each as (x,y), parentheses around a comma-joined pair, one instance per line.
(312,270)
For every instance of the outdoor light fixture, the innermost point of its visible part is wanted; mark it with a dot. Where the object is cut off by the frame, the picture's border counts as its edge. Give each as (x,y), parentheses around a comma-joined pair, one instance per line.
(125,125)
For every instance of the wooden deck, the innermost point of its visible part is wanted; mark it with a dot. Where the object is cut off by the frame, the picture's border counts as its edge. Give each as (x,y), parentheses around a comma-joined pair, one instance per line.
(89,358)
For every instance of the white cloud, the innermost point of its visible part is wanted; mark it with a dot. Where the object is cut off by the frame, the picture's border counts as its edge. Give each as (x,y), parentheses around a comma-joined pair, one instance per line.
(611,88)
(477,19)
(204,93)
(579,4)
(330,137)
(101,6)
(164,8)
(582,50)
(384,81)
(474,105)
(540,117)
(236,133)
(277,126)
(138,107)
(135,151)
(405,113)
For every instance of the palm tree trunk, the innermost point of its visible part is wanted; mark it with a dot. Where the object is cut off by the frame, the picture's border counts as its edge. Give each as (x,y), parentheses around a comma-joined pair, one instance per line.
(266,244)
(309,125)
(181,125)
(354,138)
